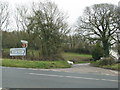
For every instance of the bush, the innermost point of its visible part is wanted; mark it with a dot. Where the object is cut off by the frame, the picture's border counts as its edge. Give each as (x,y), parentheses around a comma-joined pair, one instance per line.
(78,50)
(106,61)
(97,52)
(5,53)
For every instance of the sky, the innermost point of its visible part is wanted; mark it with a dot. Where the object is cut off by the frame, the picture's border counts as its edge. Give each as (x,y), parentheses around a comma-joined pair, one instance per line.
(74,8)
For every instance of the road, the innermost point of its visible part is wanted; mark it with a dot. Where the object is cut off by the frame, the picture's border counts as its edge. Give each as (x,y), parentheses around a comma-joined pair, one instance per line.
(87,68)
(34,78)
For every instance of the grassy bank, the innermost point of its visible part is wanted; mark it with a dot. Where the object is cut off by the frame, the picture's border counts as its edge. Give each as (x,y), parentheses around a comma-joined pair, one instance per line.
(76,54)
(34,64)
(79,58)
(115,66)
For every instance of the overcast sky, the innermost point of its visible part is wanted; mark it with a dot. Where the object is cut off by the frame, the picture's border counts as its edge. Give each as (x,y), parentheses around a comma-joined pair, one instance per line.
(74,8)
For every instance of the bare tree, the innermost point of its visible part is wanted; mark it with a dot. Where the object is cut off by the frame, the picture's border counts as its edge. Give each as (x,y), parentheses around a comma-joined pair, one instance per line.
(4,21)
(4,15)
(21,15)
(99,23)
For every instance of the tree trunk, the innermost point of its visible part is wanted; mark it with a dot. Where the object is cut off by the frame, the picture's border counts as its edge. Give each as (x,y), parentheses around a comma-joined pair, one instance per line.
(106,48)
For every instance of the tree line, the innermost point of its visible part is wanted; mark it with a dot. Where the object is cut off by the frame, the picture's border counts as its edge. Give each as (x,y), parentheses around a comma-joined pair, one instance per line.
(46,29)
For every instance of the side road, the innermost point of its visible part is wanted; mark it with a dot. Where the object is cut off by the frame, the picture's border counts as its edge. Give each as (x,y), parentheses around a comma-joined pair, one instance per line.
(86,68)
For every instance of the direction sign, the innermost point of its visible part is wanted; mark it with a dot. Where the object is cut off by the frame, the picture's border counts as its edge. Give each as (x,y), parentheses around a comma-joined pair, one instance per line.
(17,51)
(24,43)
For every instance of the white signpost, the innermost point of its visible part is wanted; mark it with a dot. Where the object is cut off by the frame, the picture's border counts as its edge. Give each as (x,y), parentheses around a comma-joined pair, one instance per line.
(18,52)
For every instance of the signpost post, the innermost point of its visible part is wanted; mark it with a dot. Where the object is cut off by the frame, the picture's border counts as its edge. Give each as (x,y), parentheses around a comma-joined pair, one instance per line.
(24,45)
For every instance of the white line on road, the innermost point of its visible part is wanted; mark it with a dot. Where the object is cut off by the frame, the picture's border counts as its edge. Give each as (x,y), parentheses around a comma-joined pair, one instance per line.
(72,77)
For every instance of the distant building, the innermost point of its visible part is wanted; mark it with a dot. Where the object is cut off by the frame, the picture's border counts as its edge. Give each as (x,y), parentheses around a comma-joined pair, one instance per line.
(115,55)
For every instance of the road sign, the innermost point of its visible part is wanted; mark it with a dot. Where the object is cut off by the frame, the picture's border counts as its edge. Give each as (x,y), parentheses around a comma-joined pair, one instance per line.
(24,43)
(17,51)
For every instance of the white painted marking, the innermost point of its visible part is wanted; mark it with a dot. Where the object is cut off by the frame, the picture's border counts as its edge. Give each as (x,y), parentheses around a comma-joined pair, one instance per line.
(109,80)
(72,77)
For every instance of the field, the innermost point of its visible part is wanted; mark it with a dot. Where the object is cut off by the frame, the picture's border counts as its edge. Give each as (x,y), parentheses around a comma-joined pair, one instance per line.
(79,58)
(34,55)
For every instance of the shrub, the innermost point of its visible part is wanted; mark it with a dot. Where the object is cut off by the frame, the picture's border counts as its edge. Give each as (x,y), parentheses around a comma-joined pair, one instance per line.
(106,61)
(5,53)
(97,52)
(78,50)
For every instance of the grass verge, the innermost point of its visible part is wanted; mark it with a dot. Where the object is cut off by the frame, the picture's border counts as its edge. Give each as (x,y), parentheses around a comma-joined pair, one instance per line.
(76,54)
(112,67)
(79,58)
(34,64)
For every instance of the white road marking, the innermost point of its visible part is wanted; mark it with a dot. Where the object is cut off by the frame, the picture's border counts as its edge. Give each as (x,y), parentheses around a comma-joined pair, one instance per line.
(71,77)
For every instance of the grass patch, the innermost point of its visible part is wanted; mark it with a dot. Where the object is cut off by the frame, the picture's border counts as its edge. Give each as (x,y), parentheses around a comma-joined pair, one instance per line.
(79,62)
(34,64)
(35,55)
(79,58)
(76,54)
(113,67)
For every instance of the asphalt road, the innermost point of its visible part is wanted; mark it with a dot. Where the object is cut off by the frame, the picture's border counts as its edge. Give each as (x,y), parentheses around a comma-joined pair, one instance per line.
(33,78)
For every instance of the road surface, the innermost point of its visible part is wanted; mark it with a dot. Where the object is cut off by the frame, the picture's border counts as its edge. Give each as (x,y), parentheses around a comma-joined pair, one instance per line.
(34,78)
(87,68)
